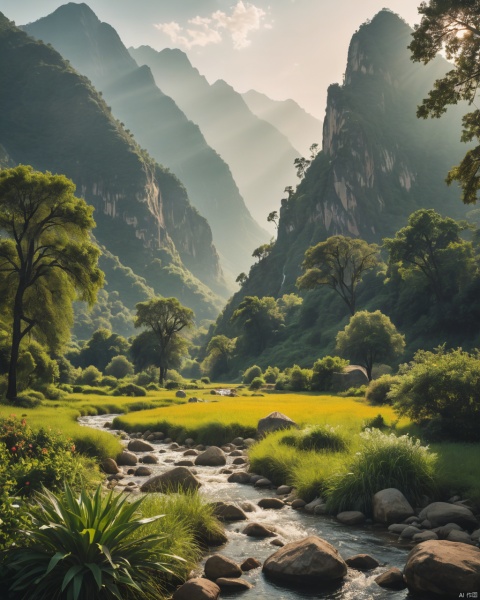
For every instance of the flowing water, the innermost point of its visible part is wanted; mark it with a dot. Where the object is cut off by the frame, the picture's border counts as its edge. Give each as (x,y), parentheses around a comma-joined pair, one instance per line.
(291,525)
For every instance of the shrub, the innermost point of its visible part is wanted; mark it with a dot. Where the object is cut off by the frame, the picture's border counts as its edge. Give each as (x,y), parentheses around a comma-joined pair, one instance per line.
(354,392)
(250,374)
(205,380)
(84,548)
(97,391)
(323,370)
(13,510)
(299,379)
(149,375)
(119,367)
(271,374)
(323,438)
(89,376)
(257,383)
(108,381)
(172,385)
(384,461)
(377,422)
(442,385)
(378,389)
(129,389)
(153,387)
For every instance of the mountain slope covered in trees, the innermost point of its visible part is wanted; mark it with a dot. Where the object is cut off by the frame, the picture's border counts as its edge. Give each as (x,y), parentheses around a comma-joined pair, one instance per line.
(95,50)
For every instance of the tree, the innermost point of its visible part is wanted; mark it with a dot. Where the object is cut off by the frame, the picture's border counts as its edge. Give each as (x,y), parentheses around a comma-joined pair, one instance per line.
(241,279)
(301,164)
(431,245)
(100,349)
(339,263)
(119,367)
(46,257)
(273,218)
(370,338)
(259,318)
(220,350)
(262,251)
(166,317)
(145,351)
(453,27)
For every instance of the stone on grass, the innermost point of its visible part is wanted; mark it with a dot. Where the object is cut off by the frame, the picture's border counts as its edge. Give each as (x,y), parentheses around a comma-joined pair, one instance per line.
(197,589)
(180,394)
(212,457)
(351,517)
(441,513)
(274,422)
(362,562)
(221,566)
(175,480)
(391,506)
(308,561)
(443,568)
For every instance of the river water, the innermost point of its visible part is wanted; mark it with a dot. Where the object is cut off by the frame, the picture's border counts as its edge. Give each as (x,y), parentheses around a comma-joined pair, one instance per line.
(292,525)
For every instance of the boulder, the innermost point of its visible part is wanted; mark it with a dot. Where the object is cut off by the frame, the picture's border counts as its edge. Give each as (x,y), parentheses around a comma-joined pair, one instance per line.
(441,513)
(443,568)
(273,422)
(350,517)
(258,530)
(197,589)
(262,482)
(275,503)
(237,585)
(397,527)
(362,562)
(240,477)
(311,506)
(409,532)
(391,579)
(424,536)
(459,536)
(284,489)
(184,463)
(180,394)
(109,466)
(239,461)
(139,446)
(228,512)
(150,459)
(238,441)
(236,453)
(298,503)
(191,452)
(444,530)
(127,459)
(250,563)
(221,566)
(248,442)
(143,472)
(212,457)
(177,479)
(308,561)
(391,506)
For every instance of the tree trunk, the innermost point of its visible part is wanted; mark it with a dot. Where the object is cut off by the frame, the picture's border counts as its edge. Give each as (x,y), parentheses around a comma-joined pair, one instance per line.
(15,351)
(163,375)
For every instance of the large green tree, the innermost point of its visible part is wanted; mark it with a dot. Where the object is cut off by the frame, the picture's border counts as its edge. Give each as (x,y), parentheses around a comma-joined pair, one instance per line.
(339,263)
(369,338)
(260,319)
(431,245)
(453,26)
(166,317)
(47,258)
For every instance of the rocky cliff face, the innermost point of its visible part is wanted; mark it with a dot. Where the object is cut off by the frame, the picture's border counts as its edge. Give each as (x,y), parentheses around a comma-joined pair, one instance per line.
(52,118)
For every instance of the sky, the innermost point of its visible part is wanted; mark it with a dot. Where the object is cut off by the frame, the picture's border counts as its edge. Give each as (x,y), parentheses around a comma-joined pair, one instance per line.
(282,48)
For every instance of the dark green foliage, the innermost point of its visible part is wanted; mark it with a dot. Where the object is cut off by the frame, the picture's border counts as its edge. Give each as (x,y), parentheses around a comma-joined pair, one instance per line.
(322,438)
(298,379)
(323,370)
(89,376)
(377,422)
(256,383)
(251,373)
(119,367)
(129,389)
(100,349)
(442,386)
(271,374)
(378,389)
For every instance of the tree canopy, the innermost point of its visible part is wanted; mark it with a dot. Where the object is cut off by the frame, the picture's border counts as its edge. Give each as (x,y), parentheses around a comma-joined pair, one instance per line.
(339,263)
(453,26)
(47,259)
(259,318)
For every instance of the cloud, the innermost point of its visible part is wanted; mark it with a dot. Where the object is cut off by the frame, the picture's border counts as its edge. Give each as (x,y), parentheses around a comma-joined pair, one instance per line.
(203,31)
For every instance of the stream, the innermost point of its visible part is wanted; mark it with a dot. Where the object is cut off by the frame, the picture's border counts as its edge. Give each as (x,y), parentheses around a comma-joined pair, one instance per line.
(292,524)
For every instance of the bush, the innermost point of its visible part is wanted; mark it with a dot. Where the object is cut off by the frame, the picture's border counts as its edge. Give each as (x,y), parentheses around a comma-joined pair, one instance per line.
(384,461)
(84,548)
(172,385)
(378,389)
(323,438)
(323,370)
(89,376)
(354,392)
(205,380)
(97,391)
(149,375)
(442,385)
(250,374)
(153,387)
(129,389)
(271,374)
(377,422)
(119,367)
(108,381)
(257,383)
(299,379)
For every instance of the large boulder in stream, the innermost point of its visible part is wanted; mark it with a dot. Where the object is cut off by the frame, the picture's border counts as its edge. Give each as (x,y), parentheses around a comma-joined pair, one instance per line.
(221,566)
(308,561)
(443,568)
(212,457)
(441,513)
(139,446)
(391,506)
(175,480)
(274,422)
(197,589)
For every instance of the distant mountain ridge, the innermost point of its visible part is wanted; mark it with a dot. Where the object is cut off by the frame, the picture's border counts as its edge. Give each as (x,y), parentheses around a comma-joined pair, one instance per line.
(260,157)
(95,50)
(52,118)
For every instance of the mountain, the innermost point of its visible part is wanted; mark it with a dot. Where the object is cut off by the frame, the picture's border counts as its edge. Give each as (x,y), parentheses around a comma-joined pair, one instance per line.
(52,118)
(301,128)
(95,50)
(378,164)
(260,157)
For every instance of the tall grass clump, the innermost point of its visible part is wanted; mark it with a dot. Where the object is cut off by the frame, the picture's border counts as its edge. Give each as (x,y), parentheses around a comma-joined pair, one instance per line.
(384,461)
(323,438)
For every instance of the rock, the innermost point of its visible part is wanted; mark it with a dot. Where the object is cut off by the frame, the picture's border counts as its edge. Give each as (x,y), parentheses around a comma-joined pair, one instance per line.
(197,589)
(443,531)
(249,442)
(184,463)
(412,520)
(180,394)
(226,471)
(212,538)
(193,399)
(310,507)
(174,446)
(443,568)
(459,536)
(150,459)
(107,425)
(390,506)
(228,512)
(237,585)
(275,503)
(391,579)
(441,513)
(258,530)
(362,562)
(236,453)
(177,479)
(249,564)
(308,561)
(351,517)
(263,482)
(127,459)
(221,566)
(476,535)
(277,542)
(397,527)
(424,536)
(409,532)
(158,435)
(247,506)
(283,489)
(142,472)
(168,440)
(109,466)
(240,477)
(139,446)
(239,461)
(190,452)
(298,503)
(238,441)
(189,442)
(320,509)
(212,457)
(273,422)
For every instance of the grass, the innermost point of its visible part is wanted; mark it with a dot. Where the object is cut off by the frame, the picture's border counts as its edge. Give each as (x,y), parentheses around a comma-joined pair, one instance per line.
(457,470)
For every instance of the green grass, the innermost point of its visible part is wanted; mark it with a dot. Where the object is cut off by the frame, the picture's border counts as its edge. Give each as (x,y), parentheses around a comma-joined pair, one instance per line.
(457,469)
